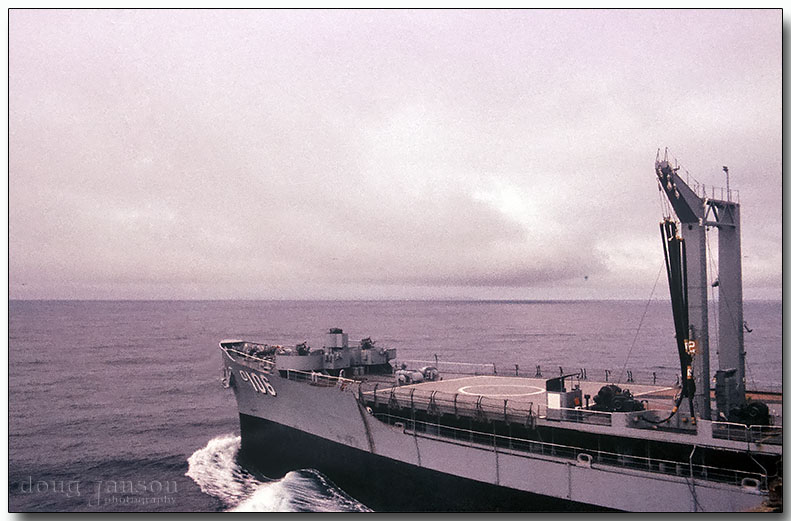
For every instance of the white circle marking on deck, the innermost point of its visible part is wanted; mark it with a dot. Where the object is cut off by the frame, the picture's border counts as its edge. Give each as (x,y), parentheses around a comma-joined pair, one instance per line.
(469,390)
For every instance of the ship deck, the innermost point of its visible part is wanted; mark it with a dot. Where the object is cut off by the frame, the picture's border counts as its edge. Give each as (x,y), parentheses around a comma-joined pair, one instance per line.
(522,393)
(467,391)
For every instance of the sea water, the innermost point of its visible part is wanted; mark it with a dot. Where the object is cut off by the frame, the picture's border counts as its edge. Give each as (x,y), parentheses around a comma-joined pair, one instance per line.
(117,405)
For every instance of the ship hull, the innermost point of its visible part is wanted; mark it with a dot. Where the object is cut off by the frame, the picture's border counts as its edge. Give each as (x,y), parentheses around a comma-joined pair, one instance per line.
(289,424)
(381,483)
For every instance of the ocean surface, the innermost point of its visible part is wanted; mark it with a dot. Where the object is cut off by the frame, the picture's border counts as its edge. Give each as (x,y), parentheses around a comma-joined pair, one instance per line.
(117,405)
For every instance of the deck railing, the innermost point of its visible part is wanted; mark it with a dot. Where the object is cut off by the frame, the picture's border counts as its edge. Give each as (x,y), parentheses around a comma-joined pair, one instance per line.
(620,376)
(583,456)
(318,379)
(768,434)
(310,377)
(580,416)
(263,364)
(437,403)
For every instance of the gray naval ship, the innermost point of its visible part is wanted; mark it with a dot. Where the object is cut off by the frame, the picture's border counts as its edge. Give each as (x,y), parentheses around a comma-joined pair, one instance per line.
(410,439)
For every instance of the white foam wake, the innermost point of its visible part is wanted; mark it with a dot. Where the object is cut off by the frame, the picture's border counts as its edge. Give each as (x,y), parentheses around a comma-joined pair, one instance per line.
(215,469)
(216,472)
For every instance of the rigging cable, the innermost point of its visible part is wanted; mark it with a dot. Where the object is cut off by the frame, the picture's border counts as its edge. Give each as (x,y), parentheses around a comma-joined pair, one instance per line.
(724,299)
(713,339)
(645,311)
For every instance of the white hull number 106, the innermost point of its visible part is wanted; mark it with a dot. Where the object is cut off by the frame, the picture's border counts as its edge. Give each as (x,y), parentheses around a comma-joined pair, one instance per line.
(258,382)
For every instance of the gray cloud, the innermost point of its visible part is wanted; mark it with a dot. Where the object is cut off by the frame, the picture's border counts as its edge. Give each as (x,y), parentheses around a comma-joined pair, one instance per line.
(272,154)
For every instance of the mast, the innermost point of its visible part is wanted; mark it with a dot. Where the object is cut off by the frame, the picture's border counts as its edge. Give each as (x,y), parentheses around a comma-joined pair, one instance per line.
(696,214)
(726,215)
(690,211)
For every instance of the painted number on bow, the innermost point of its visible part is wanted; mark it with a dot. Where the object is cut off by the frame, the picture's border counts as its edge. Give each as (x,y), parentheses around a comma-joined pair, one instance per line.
(258,382)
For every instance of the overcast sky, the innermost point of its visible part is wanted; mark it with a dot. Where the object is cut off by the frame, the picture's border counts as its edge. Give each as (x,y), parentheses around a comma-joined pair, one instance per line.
(380,154)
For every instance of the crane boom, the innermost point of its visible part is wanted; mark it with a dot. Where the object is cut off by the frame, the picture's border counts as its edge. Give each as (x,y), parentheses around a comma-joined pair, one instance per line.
(694,212)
